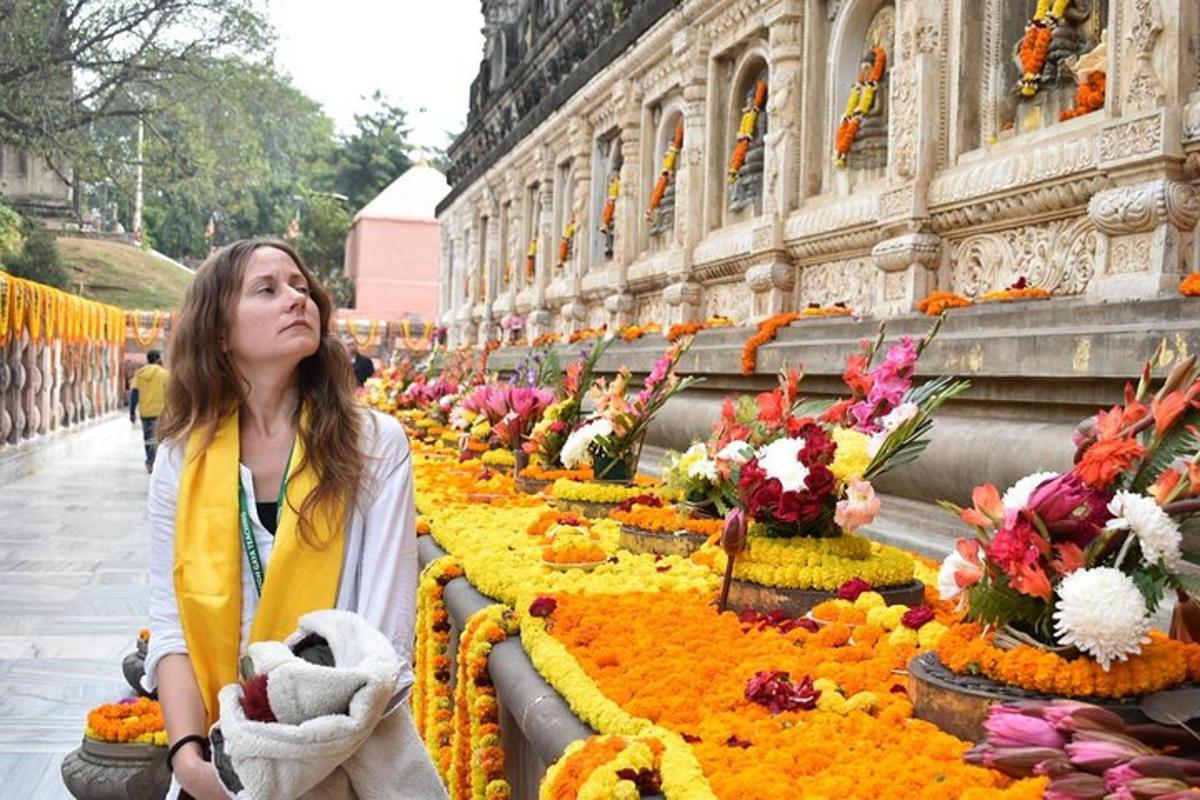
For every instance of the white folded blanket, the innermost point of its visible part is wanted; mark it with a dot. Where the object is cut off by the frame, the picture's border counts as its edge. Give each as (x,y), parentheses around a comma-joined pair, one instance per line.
(339,735)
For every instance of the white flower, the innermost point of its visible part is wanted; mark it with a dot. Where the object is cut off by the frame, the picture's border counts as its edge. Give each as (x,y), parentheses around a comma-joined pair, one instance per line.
(445,401)
(459,418)
(889,422)
(738,451)
(1158,534)
(947,584)
(575,452)
(704,468)
(1019,493)
(781,460)
(1101,612)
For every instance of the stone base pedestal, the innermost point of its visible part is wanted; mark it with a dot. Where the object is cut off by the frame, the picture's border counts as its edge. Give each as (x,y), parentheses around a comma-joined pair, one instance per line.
(105,771)
(745,595)
(958,704)
(637,540)
(772,284)
(907,271)
(620,309)
(683,302)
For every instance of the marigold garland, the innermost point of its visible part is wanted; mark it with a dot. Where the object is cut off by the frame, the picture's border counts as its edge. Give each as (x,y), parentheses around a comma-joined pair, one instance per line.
(545,339)
(583,334)
(631,333)
(1010,295)
(1190,286)
(1163,663)
(418,344)
(937,302)
(477,758)
(747,129)
(822,564)
(433,709)
(610,205)
(367,342)
(537,473)
(1089,96)
(146,338)
(766,333)
(130,721)
(1035,44)
(666,520)
(859,104)
(668,169)
(531,260)
(564,244)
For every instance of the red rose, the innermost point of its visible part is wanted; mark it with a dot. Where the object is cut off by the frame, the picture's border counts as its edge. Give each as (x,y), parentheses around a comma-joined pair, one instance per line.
(917,616)
(851,589)
(819,482)
(543,606)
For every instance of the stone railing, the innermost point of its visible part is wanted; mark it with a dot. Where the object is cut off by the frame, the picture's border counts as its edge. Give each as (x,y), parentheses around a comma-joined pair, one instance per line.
(61,360)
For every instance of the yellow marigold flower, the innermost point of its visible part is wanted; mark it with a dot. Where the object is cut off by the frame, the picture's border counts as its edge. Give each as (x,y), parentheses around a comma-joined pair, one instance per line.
(930,634)
(903,636)
(863,701)
(824,685)
(868,600)
(832,702)
(852,457)
(481,430)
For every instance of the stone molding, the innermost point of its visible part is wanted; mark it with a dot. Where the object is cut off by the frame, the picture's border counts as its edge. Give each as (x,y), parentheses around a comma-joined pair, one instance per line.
(771,275)
(903,251)
(1049,199)
(684,293)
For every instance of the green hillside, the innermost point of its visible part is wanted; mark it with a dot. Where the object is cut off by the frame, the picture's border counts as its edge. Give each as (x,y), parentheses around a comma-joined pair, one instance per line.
(122,274)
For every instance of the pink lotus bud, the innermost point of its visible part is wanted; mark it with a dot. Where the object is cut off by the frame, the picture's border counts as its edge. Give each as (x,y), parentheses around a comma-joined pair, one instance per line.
(733,538)
(1015,762)
(1076,786)
(1009,727)
(1071,716)
(1097,751)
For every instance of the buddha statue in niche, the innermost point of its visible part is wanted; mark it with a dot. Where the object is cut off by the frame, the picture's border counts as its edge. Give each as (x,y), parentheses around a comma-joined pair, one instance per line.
(747,189)
(1041,102)
(869,153)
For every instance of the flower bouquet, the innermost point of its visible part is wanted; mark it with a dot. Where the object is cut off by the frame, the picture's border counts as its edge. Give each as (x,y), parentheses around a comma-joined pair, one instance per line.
(1069,569)
(545,441)
(796,475)
(611,440)
(510,411)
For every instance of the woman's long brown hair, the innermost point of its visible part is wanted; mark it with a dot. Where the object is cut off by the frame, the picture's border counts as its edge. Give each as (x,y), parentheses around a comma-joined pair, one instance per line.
(205,386)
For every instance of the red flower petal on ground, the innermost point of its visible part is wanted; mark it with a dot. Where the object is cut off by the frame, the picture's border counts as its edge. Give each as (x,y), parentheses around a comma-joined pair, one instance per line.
(543,606)
(917,616)
(851,589)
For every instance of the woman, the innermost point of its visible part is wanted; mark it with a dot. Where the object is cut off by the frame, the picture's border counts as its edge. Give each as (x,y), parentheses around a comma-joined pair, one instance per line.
(274,493)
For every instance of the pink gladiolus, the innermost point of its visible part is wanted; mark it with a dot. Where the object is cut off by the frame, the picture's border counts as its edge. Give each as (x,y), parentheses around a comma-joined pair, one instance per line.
(1008,727)
(860,507)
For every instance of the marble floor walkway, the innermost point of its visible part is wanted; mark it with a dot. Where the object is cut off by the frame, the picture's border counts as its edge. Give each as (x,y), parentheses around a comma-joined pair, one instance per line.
(73,573)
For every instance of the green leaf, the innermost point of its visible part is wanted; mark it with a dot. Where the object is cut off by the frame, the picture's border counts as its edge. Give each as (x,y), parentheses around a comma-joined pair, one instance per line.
(1189,583)
(812,408)
(1152,583)
(996,603)
(1178,442)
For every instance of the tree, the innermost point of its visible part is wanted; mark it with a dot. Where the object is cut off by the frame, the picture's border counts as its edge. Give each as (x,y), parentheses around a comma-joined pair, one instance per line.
(39,260)
(375,154)
(322,243)
(66,65)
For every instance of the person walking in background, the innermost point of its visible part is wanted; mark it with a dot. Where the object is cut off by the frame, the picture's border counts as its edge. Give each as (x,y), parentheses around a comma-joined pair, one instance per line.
(148,393)
(363,366)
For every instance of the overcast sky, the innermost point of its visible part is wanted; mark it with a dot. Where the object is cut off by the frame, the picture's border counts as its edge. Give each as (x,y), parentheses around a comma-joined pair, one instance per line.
(422,54)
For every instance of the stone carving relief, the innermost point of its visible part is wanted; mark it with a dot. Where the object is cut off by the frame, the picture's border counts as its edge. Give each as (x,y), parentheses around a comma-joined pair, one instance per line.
(597,315)
(1131,254)
(727,300)
(1024,167)
(1131,139)
(904,119)
(1142,207)
(1068,194)
(651,308)
(1058,255)
(850,281)
(1145,90)
(737,20)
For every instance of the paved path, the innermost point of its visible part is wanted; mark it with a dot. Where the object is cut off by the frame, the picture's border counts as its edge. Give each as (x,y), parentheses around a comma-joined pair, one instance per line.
(73,574)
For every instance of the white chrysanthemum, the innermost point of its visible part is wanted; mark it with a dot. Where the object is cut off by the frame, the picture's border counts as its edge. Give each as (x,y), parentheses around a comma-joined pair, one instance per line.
(575,452)
(704,468)
(445,401)
(1019,493)
(781,460)
(459,419)
(738,451)
(1157,533)
(1101,612)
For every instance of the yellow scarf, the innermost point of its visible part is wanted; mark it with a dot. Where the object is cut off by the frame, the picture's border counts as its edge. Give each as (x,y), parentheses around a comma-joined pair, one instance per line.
(208,560)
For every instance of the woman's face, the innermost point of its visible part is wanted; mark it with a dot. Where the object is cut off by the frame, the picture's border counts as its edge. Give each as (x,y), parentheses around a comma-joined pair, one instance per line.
(275,320)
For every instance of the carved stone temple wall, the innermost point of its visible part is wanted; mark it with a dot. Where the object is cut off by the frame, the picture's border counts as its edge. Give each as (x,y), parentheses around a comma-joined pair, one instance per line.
(955,179)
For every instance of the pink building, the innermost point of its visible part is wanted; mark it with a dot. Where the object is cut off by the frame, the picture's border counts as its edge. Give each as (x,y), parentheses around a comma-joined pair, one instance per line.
(392,251)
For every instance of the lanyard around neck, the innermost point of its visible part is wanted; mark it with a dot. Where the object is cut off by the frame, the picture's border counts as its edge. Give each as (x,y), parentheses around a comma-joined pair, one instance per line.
(248,541)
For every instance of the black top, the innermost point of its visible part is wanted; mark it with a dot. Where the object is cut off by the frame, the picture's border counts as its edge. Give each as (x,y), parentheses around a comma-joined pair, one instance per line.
(267,515)
(363,368)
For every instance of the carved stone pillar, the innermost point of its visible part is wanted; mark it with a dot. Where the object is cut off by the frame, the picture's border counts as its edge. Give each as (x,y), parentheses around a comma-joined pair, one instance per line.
(1144,226)
(16,409)
(908,261)
(689,172)
(464,327)
(908,271)
(491,271)
(771,285)
(574,311)
(540,318)
(781,168)
(33,389)
(683,302)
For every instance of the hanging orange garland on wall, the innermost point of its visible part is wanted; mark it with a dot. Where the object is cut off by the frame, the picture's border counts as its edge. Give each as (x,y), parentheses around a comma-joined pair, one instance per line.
(610,205)
(859,104)
(145,338)
(1089,96)
(531,260)
(668,169)
(420,343)
(372,332)
(564,244)
(747,130)
(1035,45)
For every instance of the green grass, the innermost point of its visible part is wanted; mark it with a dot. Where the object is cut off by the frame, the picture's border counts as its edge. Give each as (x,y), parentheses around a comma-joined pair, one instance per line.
(121,274)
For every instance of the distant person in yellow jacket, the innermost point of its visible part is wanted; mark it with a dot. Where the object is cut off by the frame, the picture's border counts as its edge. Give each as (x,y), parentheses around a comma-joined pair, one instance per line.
(148,395)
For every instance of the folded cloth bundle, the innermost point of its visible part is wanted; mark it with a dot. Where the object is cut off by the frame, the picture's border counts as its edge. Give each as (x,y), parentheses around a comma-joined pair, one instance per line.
(337,734)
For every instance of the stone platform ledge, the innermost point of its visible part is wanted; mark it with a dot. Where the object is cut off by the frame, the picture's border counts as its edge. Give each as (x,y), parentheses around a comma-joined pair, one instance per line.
(27,456)
(545,723)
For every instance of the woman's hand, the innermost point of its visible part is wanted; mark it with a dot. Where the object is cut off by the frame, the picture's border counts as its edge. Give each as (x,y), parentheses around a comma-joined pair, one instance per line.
(197,776)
